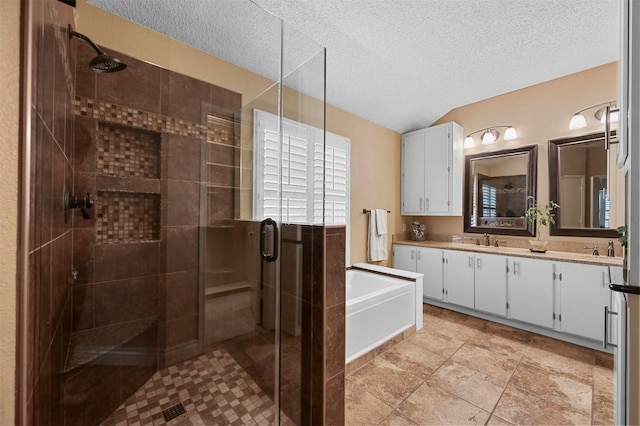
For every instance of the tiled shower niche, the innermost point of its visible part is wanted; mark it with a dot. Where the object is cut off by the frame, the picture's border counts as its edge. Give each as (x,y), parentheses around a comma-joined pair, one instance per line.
(127,217)
(128,152)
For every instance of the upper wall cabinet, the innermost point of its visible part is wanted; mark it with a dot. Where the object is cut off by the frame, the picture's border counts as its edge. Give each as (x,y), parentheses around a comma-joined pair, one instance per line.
(432,164)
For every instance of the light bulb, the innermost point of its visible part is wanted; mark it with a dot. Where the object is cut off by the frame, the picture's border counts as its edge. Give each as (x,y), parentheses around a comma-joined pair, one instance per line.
(577,121)
(613,116)
(488,137)
(469,142)
(510,134)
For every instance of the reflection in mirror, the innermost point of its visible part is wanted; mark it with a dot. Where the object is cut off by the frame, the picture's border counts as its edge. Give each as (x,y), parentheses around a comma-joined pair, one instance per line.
(497,187)
(588,186)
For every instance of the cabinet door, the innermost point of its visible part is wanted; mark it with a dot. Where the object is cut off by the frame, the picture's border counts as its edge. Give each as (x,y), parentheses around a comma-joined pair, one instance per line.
(530,285)
(413,170)
(491,284)
(459,266)
(438,170)
(431,265)
(584,292)
(404,257)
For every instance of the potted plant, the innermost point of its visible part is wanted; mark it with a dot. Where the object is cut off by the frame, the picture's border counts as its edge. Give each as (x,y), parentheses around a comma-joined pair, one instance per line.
(622,232)
(541,216)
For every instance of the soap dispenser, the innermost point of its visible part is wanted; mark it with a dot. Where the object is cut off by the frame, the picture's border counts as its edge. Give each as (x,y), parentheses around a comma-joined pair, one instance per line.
(610,250)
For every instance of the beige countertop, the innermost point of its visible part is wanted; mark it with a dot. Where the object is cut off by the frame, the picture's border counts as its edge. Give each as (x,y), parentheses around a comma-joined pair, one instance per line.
(520,252)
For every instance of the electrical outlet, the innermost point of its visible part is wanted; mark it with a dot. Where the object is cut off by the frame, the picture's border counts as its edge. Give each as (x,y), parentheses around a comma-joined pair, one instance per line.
(404,227)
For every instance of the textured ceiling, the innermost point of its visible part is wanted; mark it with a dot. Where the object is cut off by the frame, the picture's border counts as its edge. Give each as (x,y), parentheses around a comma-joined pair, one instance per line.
(399,63)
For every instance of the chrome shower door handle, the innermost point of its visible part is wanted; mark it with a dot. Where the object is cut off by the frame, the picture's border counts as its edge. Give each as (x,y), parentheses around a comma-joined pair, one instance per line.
(263,232)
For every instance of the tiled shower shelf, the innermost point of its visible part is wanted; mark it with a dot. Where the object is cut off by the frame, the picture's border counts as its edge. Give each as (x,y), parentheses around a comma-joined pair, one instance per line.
(127,184)
(127,217)
(88,346)
(227,289)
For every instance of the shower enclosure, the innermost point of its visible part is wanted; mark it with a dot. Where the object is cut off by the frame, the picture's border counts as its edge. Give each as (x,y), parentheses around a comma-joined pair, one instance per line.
(192,279)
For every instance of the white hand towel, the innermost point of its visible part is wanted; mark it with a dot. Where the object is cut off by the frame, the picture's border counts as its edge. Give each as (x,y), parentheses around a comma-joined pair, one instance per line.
(377,243)
(381,222)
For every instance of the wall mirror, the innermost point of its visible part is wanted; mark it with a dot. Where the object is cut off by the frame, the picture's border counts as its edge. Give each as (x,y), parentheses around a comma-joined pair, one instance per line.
(589,188)
(497,185)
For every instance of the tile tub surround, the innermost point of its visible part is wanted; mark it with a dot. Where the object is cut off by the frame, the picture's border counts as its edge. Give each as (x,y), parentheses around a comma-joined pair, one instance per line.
(464,370)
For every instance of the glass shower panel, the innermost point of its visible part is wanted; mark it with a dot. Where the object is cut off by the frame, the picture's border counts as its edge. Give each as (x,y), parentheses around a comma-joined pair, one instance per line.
(178,288)
(302,170)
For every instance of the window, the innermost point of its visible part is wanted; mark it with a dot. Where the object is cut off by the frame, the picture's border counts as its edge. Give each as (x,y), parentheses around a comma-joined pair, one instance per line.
(300,164)
(488,200)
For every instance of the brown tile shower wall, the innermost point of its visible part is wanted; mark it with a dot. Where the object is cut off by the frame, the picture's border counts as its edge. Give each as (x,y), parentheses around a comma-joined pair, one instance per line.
(323,324)
(50,246)
(142,134)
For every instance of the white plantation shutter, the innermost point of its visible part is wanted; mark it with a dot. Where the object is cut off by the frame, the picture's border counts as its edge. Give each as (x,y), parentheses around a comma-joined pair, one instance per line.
(336,179)
(301,164)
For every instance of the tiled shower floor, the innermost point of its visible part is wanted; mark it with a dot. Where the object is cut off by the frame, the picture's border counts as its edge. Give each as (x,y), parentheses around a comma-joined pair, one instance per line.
(214,389)
(464,370)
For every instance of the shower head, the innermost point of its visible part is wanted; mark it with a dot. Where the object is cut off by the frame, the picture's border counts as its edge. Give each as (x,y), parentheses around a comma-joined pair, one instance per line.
(102,63)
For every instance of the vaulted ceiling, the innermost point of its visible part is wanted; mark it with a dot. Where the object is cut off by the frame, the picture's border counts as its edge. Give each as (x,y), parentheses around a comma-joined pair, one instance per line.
(399,63)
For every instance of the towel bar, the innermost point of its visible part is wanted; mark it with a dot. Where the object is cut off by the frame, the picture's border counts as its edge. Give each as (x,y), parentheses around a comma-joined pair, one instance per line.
(368,211)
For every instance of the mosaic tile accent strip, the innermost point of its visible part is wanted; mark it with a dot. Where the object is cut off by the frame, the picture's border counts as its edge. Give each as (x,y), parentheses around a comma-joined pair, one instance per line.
(128,152)
(220,130)
(123,217)
(119,114)
(213,389)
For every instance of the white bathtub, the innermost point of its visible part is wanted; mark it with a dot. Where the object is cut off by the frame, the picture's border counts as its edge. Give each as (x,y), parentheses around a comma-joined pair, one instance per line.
(380,306)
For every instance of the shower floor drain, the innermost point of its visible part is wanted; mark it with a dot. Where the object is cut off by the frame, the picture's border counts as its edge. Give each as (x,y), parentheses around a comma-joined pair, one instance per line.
(173,411)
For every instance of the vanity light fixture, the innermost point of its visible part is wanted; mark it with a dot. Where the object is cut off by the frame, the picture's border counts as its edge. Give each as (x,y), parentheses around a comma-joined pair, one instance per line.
(490,135)
(578,121)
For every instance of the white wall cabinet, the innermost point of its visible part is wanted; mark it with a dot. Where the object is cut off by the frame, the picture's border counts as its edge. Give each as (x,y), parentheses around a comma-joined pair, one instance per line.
(432,165)
(491,284)
(459,277)
(530,284)
(584,291)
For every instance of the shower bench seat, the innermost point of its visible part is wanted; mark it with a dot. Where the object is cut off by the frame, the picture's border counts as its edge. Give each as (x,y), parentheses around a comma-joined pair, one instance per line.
(227,289)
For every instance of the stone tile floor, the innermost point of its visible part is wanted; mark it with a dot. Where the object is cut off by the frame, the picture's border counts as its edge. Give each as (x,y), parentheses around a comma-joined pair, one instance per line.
(464,370)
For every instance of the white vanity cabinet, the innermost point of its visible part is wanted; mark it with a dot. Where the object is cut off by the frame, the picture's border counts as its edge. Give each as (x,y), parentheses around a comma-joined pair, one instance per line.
(427,261)
(584,291)
(459,278)
(432,164)
(562,299)
(530,284)
(404,257)
(430,263)
(491,284)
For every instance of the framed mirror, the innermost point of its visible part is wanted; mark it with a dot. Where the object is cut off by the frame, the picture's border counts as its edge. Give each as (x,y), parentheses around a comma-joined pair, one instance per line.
(497,185)
(585,182)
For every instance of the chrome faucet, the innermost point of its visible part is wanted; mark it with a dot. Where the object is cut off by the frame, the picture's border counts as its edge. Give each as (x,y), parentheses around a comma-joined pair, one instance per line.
(487,241)
(594,248)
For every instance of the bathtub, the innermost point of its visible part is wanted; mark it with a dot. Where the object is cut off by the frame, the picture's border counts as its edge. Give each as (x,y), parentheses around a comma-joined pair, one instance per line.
(380,304)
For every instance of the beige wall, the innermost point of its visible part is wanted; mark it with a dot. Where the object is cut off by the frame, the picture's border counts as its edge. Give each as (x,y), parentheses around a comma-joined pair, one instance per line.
(9,136)
(375,150)
(539,113)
